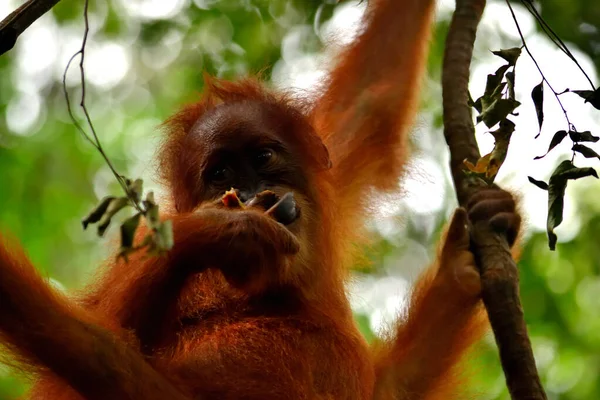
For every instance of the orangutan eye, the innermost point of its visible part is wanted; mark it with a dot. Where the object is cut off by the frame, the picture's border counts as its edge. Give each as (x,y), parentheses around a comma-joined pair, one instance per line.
(220,174)
(263,157)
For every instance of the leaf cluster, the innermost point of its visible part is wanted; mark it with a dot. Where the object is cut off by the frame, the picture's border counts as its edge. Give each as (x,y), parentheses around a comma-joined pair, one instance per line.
(494,106)
(159,238)
(565,171)
(556,187)
(497,103)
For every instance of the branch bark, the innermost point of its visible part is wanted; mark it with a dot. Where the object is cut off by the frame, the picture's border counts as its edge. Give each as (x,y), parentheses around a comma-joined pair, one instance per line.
(20,19)
(499,274)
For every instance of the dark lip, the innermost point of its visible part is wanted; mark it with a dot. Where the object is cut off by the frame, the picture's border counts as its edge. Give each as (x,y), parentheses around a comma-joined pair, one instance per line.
(295,222)
(268,203)
(295,226)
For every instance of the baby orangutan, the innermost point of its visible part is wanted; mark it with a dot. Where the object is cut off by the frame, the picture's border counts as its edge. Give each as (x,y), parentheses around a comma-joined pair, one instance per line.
(270,198)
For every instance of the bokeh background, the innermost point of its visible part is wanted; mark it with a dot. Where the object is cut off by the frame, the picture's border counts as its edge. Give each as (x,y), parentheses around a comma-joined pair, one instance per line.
(145,58)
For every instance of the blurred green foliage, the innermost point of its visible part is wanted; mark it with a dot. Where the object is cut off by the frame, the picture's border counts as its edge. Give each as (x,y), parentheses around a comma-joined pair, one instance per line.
(50,177)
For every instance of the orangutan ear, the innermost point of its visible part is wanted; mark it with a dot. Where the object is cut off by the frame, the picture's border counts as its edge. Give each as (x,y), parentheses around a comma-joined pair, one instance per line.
(323,159)
(320,153)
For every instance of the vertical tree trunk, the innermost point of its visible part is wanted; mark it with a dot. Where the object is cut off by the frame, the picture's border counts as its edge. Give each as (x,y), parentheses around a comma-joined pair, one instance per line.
(499,274)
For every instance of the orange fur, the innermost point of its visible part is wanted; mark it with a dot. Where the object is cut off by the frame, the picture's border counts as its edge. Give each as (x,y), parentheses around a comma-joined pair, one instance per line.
(46,330)
(242,308)
(422,357)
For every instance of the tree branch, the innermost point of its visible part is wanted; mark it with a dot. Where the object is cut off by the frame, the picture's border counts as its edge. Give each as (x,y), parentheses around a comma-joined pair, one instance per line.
(499,274)
(20,19)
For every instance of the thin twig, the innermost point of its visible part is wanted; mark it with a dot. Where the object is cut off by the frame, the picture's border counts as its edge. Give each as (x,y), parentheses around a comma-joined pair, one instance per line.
(546,28)
(571,126)
(94,140)
(16,22)
(555,38)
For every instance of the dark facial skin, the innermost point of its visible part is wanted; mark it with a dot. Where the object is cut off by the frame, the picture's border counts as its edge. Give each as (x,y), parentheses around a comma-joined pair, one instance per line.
(242,148)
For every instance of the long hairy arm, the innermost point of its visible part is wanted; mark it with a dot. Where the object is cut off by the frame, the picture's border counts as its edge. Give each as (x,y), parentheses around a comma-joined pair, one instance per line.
(43,329)
(445,315)
(367,109)
(444,318)
(245,245)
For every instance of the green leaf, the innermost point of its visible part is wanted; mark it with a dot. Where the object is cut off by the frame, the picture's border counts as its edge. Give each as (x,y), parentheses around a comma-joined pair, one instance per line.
(541,184)
(510,55)
(497,111)
(510,80)
(150,197)
(590,96)
(493,90)
(115,205)
(164,235)
(152,214)
(556,191)
(567,170)
(585,151)
(97,213)
(478,105)
(135,189)
(537,95)
(494,82)
(585,136)
(502,140)
(128,229)
(475,104)
(504,131)
(556,139)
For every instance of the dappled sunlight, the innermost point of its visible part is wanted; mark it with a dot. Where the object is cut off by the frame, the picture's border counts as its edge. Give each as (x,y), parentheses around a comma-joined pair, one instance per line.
(145,59)
(106,64)
(422,188)
(345,24)
(587,293)
(23,114)
(205,4)
(38,48)
(560,275)
(302,68)
(382,299)
(545,351)
(215,35)
(153,9)
(163,53)
(7,6)
(565,373)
